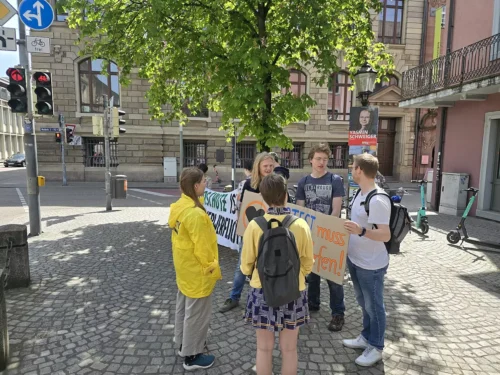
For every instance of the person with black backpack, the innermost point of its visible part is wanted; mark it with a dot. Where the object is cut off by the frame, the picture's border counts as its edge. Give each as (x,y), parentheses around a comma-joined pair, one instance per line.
(368,257)
(277,254)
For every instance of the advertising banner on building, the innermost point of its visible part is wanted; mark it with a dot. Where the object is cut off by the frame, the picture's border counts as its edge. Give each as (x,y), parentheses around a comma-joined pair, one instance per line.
(221,207)
(329,237)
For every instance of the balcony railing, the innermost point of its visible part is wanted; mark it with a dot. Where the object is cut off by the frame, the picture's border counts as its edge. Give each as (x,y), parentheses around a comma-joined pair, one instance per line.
(474,62)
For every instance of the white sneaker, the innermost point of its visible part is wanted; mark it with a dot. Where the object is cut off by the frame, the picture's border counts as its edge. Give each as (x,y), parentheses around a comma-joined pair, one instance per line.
(357,343)
(254,369)
(369,357)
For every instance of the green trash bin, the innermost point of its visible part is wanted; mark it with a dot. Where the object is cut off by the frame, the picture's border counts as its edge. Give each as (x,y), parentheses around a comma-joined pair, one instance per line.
(119,187)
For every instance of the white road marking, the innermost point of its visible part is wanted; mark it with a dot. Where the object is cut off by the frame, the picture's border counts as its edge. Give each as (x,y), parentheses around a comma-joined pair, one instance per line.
(144,199)
(23,201)
(151,193)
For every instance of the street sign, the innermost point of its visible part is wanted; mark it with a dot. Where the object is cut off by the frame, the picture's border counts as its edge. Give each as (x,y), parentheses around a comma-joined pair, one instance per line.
(97,126)
(28,126)
(8,39)
(38,44)
(36,14)
(7,11)
(52,130)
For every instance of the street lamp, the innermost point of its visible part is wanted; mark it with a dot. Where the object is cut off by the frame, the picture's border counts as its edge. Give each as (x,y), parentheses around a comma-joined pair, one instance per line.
(365,82)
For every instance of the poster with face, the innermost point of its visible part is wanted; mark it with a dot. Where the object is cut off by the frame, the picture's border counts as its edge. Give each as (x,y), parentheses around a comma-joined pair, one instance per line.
(363,128)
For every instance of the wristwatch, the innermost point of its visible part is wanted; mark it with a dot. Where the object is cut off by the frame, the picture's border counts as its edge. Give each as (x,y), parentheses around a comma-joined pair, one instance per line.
(363,232)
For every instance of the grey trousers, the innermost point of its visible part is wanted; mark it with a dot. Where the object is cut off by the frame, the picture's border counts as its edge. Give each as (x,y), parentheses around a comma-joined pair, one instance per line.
(192,318)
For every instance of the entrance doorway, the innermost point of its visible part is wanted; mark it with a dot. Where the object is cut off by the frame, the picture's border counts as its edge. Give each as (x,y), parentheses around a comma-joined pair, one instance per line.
(385,151)
(495,194)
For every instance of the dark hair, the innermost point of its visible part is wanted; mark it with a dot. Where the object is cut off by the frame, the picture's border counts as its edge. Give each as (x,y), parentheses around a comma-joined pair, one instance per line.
(273,189)
(203,168)
(367,163)
(248,165)
(322,147)
(275,156)
(190,177)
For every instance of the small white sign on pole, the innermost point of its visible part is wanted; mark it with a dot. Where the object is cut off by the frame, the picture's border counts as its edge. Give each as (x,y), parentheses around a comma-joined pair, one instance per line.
(38,44)
(8,39)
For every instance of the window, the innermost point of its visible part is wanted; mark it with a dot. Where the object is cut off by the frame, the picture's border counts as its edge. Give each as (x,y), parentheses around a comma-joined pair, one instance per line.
(292,159)
(390,22)
(62,15)
(338,159)
(245,152)
(93,85)
(339,97)
(201,112)
(195,153)
(298,81)
(393,81)
(94,152)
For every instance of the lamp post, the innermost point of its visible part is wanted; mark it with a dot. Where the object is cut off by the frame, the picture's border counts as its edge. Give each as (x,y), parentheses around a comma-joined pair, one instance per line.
(365,82)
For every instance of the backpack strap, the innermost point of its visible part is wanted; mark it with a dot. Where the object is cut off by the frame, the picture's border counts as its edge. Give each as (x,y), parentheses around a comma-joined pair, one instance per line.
(262,222)
(370,195)
(288,221)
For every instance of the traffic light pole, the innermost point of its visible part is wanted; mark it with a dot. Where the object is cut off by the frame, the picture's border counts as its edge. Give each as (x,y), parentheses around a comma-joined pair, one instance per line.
(107,151)
(63,141)
(30,148)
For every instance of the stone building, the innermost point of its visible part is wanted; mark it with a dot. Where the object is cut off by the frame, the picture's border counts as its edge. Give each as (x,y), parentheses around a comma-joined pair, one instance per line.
(139,153)
(11,125)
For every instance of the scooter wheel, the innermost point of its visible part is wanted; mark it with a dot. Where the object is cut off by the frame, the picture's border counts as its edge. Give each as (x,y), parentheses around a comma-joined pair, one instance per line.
(453,237)
(424,227)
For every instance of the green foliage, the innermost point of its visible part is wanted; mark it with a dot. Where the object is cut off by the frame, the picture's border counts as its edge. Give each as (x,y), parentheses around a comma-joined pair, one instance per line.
(236,53)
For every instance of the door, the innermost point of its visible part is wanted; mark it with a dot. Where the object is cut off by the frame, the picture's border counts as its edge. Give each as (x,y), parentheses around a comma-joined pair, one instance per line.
(495,197)
(385,150)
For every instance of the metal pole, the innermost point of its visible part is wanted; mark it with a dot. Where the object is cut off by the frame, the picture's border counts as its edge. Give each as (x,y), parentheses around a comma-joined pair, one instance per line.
(107,152)
(233,158)
(181,140)
(30,148)
(62,129)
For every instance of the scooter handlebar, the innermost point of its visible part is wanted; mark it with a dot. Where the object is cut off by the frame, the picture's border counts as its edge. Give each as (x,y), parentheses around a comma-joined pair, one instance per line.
(474,190)
(419,181)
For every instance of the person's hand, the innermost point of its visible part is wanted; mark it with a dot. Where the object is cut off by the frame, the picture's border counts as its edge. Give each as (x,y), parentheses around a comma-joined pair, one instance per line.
(352,227)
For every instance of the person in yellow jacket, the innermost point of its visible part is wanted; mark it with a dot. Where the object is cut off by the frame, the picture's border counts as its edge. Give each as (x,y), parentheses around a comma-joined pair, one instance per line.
(288,318)
(196,263)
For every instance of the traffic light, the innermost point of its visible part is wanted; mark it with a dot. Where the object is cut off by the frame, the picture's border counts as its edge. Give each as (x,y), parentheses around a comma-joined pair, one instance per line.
(18,102)
(69,135)
(117,121)
(44,101)
(58,137)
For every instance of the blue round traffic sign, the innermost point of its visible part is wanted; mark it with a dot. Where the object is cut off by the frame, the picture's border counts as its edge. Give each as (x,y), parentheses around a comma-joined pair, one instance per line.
(36,14)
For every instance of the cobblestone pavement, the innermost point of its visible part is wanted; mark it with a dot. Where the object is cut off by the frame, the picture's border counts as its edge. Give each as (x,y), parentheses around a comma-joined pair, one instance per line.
(102,301)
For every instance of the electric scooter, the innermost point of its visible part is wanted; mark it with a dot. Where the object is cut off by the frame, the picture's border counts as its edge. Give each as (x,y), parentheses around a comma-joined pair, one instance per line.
(422,222)
(454,236)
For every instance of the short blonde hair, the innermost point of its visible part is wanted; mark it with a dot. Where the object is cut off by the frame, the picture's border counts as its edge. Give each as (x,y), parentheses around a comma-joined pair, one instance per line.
(367,163)
(256,177)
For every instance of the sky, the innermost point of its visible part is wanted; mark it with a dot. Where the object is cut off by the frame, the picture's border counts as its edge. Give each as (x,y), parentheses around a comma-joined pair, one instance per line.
(8,58)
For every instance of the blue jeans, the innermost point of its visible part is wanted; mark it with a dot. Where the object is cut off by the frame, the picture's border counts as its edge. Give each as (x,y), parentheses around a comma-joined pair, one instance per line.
(369,290)
(238,281)
(336,294)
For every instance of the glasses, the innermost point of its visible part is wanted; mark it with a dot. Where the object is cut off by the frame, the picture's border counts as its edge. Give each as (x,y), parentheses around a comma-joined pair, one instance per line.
(321,159)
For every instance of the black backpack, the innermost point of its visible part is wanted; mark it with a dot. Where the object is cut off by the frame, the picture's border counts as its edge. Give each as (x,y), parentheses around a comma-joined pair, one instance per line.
(278,261)
(399,224)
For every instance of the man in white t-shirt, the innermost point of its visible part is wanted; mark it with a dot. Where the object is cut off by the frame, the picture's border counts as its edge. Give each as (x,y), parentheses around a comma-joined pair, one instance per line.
(368,259)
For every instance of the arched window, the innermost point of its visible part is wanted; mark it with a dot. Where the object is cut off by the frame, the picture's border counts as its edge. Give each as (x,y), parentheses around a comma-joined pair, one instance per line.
(339,97)
(93,85)
(393,81)
(298,81)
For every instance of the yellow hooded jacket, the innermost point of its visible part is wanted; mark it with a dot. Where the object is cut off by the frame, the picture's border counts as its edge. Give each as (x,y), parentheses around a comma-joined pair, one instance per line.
(194,248)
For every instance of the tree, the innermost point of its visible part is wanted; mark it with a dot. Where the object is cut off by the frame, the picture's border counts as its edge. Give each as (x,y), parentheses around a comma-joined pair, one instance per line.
(233,55)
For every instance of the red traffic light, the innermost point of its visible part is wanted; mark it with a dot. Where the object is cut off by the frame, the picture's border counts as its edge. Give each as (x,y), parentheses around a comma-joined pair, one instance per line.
(15,74)
(41,77)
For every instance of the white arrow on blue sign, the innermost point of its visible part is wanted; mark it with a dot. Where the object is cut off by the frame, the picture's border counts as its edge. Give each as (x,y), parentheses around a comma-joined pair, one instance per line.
(36,14)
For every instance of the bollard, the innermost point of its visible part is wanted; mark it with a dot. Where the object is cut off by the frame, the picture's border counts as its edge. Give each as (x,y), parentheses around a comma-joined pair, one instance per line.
(14,255)
(4,333)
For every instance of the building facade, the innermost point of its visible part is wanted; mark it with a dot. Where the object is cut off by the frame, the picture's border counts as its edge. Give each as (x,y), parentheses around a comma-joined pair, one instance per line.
(78,88)
(11,126)
(457,90)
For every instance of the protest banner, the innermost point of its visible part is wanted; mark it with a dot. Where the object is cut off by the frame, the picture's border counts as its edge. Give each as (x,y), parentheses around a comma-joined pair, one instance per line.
(221,207)
(330,239)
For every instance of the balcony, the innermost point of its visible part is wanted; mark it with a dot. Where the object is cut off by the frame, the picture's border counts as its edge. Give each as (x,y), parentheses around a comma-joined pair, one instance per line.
(470,73)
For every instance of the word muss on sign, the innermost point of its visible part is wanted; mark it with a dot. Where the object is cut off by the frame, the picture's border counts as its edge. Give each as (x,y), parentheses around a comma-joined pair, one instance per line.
(330,238)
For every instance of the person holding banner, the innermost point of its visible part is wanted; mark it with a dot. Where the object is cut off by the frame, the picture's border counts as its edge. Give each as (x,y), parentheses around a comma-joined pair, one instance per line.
(323,191)
(285,319)
(262,167)
(368,259)
(196,262)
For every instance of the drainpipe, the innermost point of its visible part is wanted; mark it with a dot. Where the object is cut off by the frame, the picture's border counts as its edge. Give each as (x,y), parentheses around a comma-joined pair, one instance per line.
(442,133)
(418,114)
